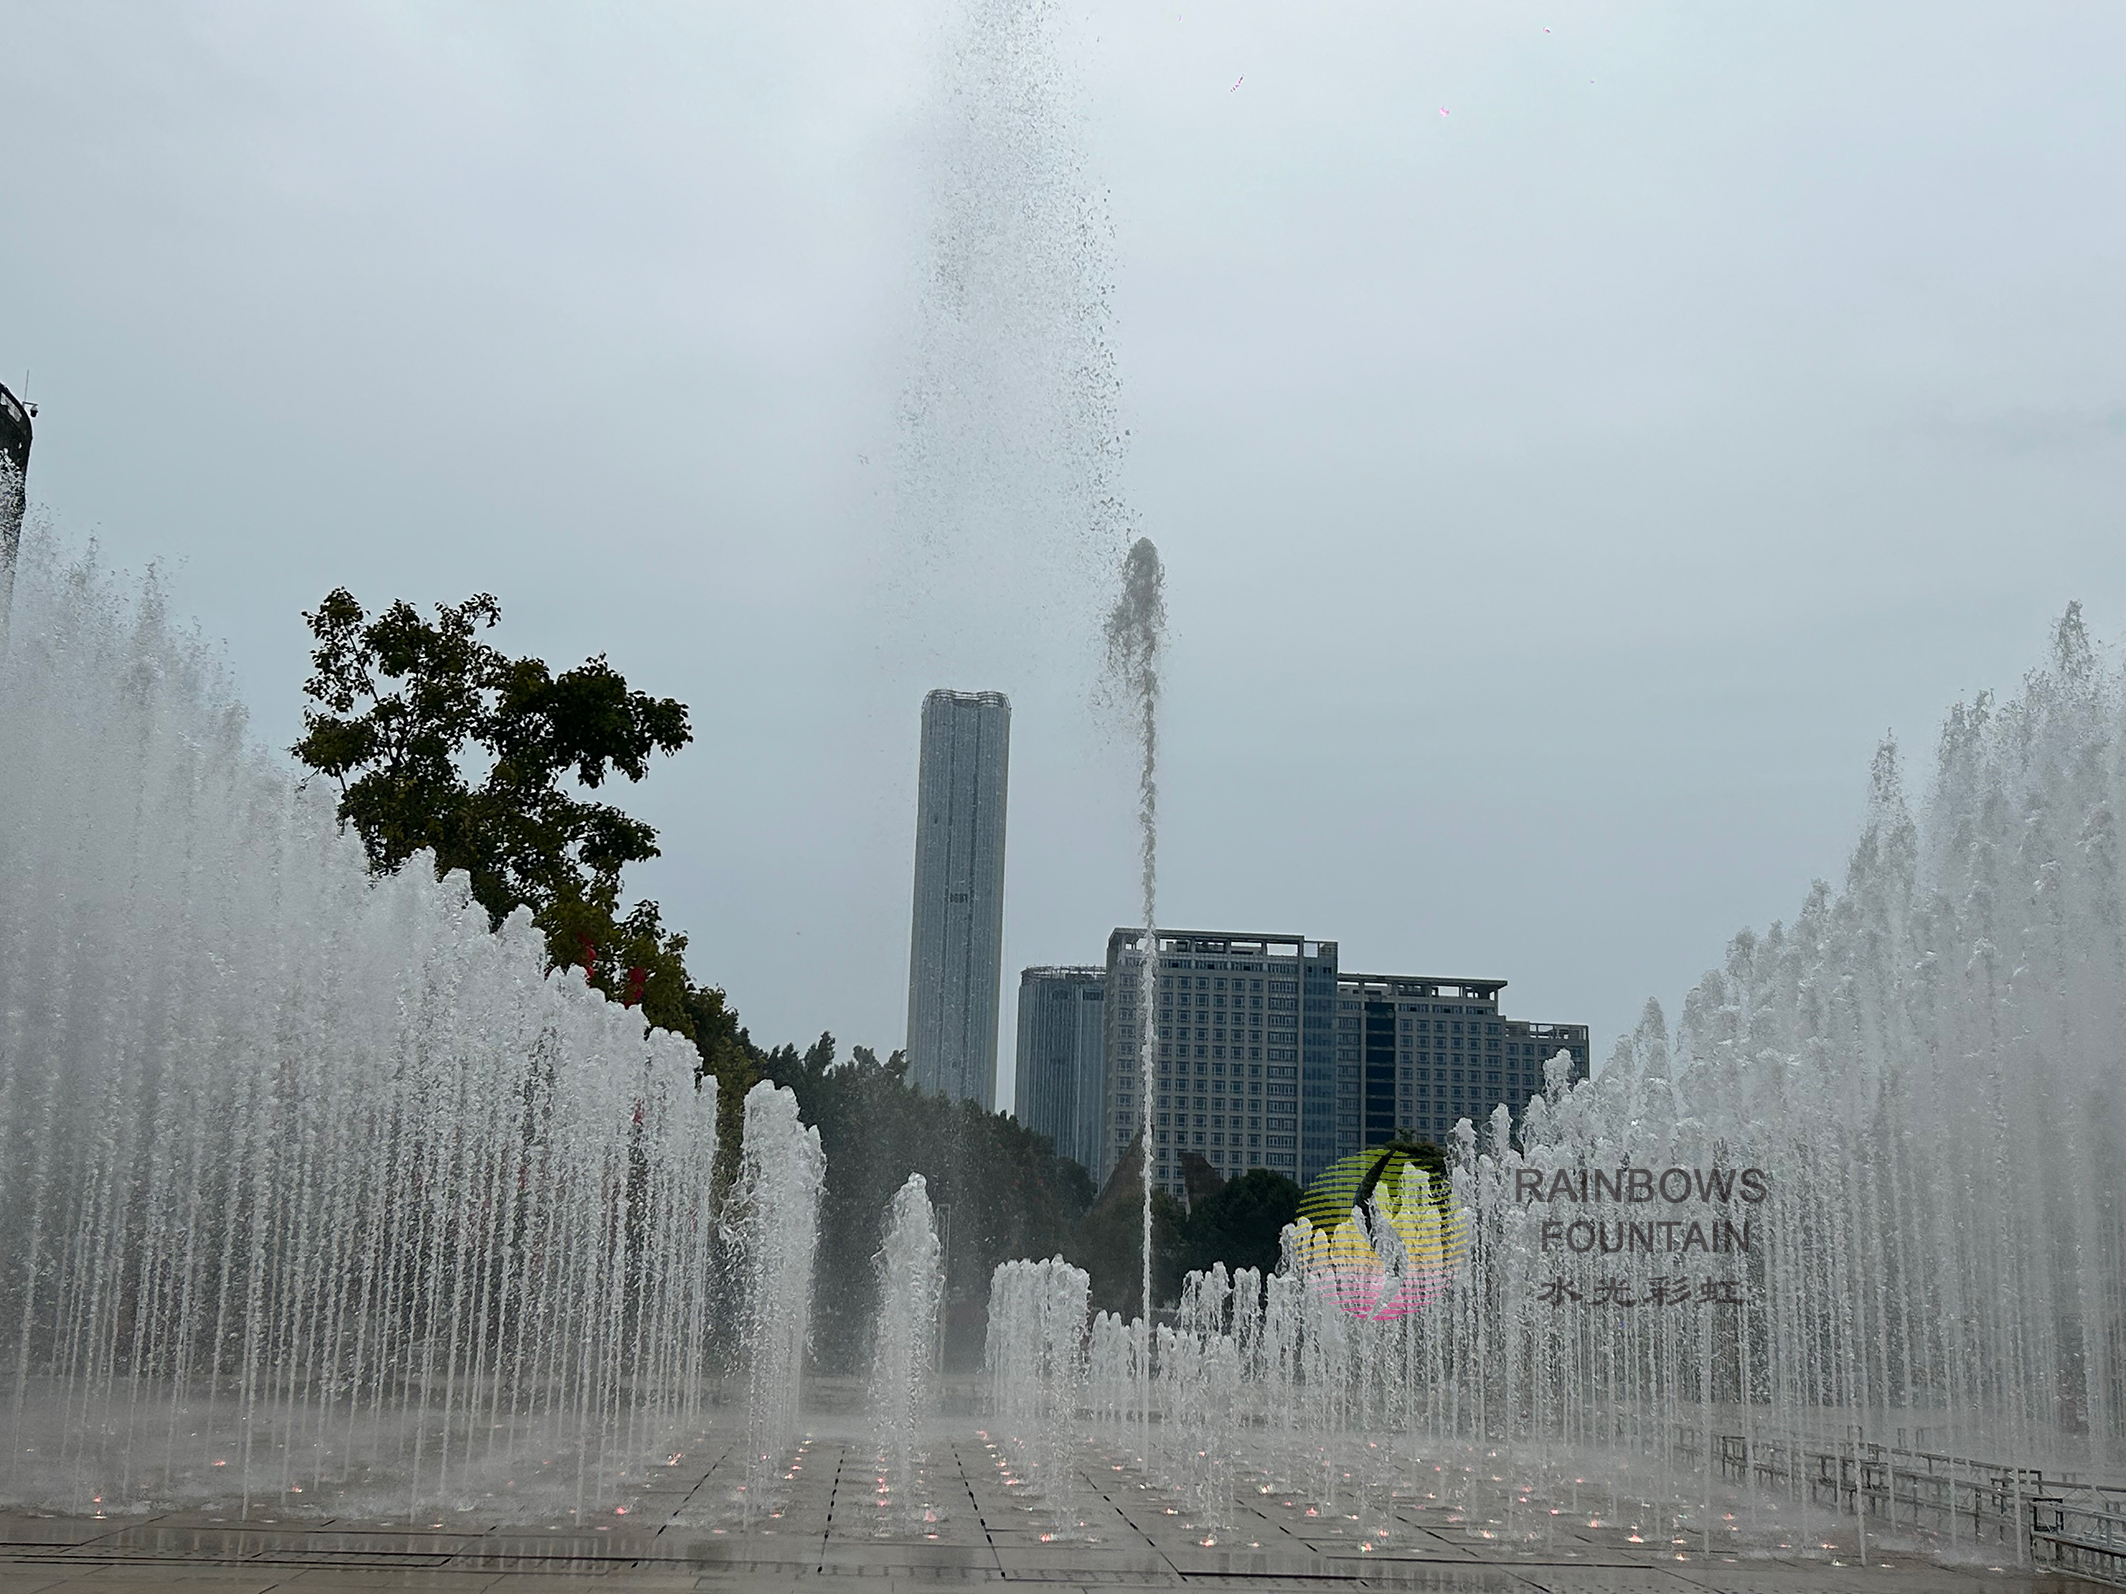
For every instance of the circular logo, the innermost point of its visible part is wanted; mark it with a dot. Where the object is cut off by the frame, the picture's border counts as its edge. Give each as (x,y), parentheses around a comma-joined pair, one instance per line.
(1378,1231)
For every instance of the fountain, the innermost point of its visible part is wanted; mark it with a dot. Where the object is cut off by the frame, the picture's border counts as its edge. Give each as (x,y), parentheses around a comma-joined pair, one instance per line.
(1923,1071)
(773,1223)
(1198,1378)
(905,1343)
(1114,1374)
(319,1193)
(1858,1219)
(324,1197)
(1136,641)
(1035,1356)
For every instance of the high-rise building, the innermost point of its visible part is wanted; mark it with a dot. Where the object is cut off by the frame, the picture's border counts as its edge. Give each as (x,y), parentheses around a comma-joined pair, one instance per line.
(1062,1058)
(956,942)
(1269,1056)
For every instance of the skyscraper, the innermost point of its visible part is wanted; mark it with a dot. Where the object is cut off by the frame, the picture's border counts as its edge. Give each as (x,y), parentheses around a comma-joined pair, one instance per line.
(1063,1058)
(956,941)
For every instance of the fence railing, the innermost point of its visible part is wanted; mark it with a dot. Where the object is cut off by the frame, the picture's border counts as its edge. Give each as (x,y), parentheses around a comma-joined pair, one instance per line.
(2085,1535)
(1958,1498)
(2059,1521)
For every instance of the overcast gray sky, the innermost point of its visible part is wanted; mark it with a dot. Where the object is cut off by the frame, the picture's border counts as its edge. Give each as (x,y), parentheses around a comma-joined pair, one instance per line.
(1575,432)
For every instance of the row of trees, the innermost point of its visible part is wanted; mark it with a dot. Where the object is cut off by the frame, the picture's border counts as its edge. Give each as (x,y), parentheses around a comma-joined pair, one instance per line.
(437,740)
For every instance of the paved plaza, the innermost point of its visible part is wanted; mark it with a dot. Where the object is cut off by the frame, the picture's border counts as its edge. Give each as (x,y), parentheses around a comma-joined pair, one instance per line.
(683,1529)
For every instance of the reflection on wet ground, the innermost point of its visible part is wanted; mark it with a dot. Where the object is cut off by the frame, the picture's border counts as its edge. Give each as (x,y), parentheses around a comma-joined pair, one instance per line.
(688,1527)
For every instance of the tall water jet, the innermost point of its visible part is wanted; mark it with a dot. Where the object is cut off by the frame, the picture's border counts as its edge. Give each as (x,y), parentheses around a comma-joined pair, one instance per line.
(904,1348)
(1008,491)
(773,1222)
(321,1196)
(1010,515)
(1136,641)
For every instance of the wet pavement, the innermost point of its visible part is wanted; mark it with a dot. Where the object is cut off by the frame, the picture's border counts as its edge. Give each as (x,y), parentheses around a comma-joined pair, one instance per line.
(686,1527)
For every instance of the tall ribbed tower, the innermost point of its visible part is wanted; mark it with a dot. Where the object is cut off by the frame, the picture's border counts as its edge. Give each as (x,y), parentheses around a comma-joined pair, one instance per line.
(956,943)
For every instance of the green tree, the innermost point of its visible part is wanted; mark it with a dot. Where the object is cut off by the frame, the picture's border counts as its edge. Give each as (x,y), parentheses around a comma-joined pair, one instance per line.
(1108,1241)
(999,1188)
(1241,1224)
(1109,1244)
(728,1052)
(438,740)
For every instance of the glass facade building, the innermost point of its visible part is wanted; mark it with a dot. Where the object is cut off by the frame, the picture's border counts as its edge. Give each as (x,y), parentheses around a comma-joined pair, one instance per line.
(1269,1055)
(1062,1058)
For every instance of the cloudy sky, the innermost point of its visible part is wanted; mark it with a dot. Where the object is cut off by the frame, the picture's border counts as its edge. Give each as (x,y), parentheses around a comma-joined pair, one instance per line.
(1575,432)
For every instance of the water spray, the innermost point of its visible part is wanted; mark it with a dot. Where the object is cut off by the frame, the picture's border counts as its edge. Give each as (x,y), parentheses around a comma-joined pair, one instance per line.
(1136,637)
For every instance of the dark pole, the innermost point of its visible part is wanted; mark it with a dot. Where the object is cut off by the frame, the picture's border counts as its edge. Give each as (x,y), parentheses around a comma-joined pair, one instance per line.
(14,493)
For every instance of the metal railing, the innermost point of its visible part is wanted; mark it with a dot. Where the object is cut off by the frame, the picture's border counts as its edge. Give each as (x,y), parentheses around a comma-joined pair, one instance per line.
(2084,1534)
(1960,1499)
(2062,1521)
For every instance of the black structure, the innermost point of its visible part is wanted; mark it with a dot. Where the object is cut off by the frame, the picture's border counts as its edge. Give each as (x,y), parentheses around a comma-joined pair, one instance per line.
(15,417)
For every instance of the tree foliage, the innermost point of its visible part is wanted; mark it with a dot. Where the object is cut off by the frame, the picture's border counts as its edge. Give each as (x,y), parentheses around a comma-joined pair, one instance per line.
(438,740)
(1241,1224)
(404,710)
(1109,1245)
(999,1188)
